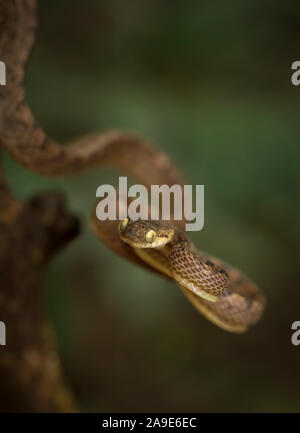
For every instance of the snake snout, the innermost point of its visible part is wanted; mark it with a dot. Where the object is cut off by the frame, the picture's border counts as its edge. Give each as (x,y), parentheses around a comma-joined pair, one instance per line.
(145,233)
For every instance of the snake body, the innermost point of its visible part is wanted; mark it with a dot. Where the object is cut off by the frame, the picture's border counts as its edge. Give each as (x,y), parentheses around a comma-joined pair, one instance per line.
(219,291)
(175,257)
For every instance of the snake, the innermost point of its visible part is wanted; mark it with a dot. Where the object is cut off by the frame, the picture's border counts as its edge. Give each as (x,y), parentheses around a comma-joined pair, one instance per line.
(219,291)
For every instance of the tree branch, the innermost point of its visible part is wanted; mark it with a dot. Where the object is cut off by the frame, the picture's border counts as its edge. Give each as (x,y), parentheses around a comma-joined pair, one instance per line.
(30,370)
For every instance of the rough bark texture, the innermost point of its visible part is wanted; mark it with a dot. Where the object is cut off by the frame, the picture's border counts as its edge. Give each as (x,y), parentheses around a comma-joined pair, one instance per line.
(30,370)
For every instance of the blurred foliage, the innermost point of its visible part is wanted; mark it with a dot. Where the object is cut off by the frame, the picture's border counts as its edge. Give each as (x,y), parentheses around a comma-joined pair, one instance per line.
(209,83)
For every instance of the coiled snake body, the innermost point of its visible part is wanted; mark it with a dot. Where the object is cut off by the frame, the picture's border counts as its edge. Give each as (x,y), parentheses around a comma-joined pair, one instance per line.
(219,291)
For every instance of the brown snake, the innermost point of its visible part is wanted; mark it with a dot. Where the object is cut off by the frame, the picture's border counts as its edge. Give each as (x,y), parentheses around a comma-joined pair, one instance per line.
(239,303)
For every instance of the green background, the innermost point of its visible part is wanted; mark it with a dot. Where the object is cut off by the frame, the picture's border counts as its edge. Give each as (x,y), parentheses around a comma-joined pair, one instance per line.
(210,84)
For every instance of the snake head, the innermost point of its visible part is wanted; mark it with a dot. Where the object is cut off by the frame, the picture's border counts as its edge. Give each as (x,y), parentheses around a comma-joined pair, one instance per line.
(145,234)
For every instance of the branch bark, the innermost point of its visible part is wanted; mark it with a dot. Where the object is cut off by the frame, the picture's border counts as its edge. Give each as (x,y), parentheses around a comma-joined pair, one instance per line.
(30,370)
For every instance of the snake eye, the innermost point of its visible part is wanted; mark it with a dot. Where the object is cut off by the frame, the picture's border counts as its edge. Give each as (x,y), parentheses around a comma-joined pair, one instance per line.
(123,224)
(150,236)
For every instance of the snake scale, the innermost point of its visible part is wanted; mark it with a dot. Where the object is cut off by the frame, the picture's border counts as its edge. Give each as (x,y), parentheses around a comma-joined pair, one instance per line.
(219,291)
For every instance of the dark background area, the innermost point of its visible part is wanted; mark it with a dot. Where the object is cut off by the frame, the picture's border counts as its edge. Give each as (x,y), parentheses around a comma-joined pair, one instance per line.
(210,84)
